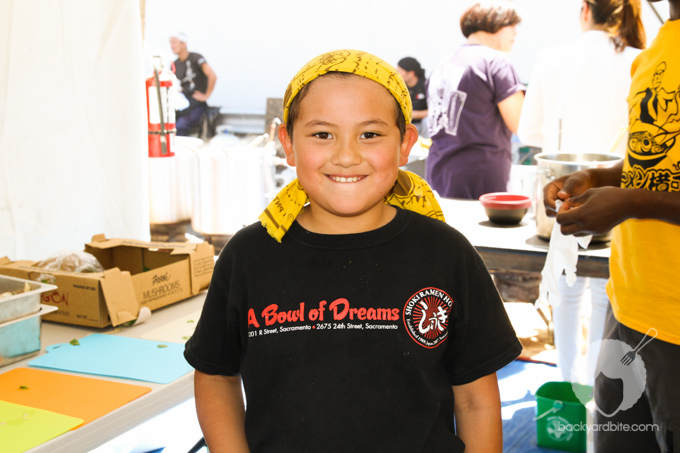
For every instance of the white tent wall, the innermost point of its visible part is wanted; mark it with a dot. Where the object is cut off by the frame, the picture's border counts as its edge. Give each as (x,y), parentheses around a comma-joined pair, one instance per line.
(73,148)
(255,47)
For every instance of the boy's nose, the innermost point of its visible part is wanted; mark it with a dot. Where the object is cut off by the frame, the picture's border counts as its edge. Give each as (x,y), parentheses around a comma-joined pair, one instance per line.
(346,154)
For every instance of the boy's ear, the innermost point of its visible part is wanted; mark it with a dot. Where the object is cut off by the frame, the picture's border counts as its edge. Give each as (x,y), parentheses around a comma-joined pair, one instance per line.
(287,144)
(410,138)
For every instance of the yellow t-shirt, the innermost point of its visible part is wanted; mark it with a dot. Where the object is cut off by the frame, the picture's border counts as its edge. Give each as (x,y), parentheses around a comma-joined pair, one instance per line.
(644,288)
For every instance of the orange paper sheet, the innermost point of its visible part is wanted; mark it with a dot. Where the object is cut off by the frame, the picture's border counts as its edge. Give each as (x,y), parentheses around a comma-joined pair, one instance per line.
(75,396)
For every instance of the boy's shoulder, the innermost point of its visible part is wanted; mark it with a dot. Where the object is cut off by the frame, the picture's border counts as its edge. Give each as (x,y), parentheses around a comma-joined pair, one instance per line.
(251,238)
(433,232)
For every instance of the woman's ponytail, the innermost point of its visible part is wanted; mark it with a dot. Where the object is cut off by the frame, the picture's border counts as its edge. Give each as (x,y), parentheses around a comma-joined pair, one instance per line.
(631,32)
(621,18)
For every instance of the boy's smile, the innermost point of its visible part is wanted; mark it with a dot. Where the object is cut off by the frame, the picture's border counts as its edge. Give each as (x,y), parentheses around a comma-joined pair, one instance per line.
(344,179)
(347,149)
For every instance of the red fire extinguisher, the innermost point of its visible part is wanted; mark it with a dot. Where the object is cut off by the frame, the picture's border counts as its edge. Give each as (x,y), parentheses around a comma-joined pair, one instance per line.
(160,112)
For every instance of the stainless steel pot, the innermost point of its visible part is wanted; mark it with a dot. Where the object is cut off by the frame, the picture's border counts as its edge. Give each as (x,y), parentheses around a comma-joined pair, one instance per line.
(550,166)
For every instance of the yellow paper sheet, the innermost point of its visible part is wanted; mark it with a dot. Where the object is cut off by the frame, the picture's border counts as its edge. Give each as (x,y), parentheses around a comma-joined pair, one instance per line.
(23,427)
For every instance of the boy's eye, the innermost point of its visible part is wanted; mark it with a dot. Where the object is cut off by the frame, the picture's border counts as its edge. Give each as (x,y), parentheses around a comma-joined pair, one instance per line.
(323,135)
(370,135)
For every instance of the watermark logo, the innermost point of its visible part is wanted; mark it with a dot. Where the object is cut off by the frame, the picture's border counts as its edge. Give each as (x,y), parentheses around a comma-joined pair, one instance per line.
(556,429)
(619,361)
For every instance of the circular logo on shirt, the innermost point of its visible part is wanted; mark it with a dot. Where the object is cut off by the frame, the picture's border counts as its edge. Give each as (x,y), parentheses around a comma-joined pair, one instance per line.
(426,316)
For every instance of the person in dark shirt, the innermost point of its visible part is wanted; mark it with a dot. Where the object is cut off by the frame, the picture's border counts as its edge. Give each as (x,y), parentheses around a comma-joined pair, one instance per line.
(197,81)
(309,314)
(474,98)
(414,76)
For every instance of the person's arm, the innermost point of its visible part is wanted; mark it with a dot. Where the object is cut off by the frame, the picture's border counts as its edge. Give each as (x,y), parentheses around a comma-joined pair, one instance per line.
(221,412)
(510,109)
(212,78)
(477,408)
(595,202)
(419,114)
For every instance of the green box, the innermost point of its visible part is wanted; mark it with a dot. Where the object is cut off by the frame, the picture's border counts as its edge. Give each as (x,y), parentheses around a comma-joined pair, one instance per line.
(561,417)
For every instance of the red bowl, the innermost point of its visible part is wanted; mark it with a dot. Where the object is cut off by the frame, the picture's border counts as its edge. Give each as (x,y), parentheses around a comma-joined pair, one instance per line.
(505,208)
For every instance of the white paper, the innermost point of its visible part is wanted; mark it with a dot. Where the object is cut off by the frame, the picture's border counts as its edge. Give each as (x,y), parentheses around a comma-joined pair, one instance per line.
(562,258)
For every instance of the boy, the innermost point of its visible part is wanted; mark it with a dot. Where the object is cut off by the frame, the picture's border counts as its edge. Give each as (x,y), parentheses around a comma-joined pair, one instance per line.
(640,198)
(357,325)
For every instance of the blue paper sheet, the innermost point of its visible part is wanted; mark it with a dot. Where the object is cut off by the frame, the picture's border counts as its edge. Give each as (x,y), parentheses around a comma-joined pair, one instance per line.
(124,357)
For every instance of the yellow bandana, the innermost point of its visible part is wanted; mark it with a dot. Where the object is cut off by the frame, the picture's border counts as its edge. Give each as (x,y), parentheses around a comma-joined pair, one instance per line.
(353,62)
(409,192)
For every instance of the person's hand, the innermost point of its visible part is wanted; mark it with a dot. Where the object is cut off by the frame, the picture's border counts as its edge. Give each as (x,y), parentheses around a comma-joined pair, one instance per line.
(201,97)
(595,211)
(563,188)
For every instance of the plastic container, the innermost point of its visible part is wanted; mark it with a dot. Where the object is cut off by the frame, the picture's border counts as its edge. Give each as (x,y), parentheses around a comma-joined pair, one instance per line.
(561,417)
(231,187)
(23,304)
(20,338)
(523,181)
(171,182)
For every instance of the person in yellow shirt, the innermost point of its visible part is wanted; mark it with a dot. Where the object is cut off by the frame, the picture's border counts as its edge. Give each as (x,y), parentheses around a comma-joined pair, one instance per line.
(640,199)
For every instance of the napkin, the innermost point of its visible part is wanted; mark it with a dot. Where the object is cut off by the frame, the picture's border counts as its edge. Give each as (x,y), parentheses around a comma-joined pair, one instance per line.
(562,258)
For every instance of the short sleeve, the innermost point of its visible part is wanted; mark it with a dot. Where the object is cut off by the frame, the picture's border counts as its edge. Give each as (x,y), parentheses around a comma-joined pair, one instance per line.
(506,79)
(481,339)
(215,346)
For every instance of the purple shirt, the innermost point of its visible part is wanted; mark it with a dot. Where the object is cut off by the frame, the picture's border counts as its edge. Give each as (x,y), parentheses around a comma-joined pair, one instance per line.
(471,151)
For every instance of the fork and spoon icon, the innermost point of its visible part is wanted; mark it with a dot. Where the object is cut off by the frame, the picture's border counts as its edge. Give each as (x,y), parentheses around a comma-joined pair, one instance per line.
(628,357)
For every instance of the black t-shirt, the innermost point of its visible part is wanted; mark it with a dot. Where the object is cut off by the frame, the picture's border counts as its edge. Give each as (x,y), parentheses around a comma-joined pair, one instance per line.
(418,97)
(352,342)
(191,76)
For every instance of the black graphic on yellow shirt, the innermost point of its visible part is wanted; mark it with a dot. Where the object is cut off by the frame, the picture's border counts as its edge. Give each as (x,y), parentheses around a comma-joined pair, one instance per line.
(654,121)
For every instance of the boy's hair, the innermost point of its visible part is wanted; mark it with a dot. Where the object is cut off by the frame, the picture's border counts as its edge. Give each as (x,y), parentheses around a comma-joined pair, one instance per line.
(294,108)
(489,16)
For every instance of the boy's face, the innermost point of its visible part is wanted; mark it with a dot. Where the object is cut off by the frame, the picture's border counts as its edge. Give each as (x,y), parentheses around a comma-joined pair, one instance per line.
(347,149)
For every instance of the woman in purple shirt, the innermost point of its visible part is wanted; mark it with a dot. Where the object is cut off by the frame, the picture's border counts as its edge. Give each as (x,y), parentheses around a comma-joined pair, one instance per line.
(474,98)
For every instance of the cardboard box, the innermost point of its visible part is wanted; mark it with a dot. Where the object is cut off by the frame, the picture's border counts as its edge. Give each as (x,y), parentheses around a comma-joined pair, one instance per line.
(137,274)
